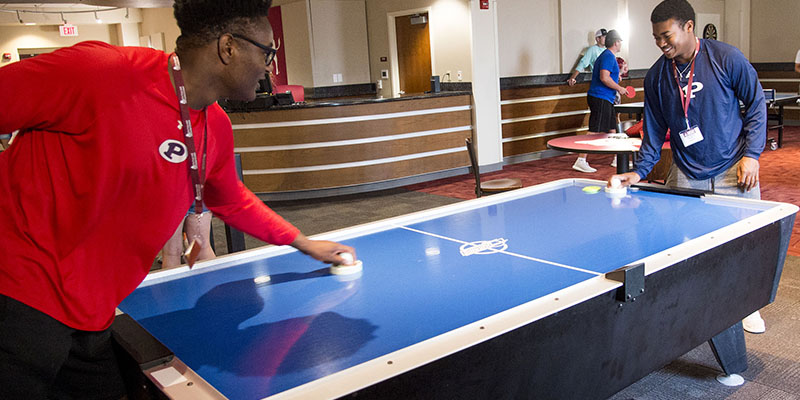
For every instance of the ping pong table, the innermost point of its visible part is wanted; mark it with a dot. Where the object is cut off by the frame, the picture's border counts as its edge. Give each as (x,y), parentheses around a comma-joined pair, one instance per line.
(775,107)
(549,291)
(618,144)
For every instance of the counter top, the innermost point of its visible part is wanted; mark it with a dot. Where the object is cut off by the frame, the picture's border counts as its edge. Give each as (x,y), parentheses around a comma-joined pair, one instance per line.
(265,103)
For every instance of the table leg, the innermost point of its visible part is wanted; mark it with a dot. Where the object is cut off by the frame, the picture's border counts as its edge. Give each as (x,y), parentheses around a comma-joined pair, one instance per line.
(622,162)
(780,126)
(729,349)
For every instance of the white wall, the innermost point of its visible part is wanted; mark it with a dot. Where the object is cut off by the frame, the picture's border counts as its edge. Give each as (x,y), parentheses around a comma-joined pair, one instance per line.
(127,34)
(579,21)
(160,20)
(485,86)
(775,30)
(450,38)
(297,43)
(450,29)
(17,37)
(642,50)
(339,37)
(539,37)
(529,39)
(737,24)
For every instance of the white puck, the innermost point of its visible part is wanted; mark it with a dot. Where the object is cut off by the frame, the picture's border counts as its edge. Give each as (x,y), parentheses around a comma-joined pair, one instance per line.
(347,269)
(348,258)
(262,279)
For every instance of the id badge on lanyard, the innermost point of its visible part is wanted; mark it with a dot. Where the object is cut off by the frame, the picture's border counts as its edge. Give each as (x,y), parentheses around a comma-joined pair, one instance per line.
(691,134)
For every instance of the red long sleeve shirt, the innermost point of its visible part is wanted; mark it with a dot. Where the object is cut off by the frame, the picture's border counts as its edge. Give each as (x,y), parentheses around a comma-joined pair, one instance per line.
(86,198)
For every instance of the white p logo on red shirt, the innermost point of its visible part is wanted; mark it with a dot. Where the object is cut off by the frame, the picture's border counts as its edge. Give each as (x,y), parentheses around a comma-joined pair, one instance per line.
(173,151)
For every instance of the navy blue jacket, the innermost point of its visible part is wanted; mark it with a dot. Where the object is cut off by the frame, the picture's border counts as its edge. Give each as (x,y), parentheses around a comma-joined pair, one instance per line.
(722,78)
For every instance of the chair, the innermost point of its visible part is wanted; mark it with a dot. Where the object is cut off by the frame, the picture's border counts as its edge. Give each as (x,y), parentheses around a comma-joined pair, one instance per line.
(492,186)
(661,169)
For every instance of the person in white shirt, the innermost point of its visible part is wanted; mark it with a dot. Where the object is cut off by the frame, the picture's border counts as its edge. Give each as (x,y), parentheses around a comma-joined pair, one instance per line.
(797,62)
(587,61)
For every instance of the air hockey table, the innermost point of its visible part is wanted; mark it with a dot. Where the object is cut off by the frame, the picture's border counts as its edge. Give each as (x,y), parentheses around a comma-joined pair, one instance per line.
(549,291)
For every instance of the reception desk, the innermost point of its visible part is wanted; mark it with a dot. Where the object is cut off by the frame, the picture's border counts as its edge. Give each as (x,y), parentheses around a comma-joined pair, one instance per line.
(352,145)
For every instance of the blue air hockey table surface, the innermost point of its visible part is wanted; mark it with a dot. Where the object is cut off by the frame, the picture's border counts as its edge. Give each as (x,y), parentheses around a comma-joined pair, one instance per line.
(503,294)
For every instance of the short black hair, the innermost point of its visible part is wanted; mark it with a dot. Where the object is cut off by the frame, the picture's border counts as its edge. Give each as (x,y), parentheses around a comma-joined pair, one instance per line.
(679,10)
(202,21)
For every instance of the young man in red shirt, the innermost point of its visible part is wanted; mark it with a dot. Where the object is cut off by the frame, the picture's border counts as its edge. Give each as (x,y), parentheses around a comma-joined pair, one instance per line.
(100,179)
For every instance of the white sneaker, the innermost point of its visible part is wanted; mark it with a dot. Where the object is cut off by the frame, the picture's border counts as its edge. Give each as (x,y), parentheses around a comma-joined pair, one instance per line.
(583,166)
(753,323)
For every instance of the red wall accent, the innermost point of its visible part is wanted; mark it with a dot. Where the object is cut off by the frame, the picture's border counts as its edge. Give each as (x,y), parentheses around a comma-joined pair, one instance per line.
(279,73)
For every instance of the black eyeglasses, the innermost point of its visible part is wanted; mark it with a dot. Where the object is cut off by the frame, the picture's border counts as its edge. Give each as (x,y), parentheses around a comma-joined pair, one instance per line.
(268,51)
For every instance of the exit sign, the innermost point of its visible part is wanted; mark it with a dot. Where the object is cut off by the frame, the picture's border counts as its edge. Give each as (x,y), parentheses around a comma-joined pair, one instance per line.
(484,4)
(68,30)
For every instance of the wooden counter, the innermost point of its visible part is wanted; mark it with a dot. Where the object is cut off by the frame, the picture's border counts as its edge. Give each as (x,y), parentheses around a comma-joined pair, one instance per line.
(354,145)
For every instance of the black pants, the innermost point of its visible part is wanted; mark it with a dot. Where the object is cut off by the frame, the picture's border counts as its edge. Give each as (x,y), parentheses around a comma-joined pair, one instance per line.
(603,117)
(41,358)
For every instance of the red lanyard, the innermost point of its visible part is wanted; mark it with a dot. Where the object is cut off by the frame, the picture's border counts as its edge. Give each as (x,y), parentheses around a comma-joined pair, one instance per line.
(686,97)
(198,173)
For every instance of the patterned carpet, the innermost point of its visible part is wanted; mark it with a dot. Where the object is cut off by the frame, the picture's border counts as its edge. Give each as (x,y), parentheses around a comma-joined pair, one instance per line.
(780,176)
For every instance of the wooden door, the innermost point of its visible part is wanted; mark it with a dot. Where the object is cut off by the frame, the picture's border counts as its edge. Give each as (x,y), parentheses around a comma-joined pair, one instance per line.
(413,54)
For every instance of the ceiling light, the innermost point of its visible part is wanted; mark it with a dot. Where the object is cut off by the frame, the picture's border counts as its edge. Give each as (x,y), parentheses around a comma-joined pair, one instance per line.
(97,19)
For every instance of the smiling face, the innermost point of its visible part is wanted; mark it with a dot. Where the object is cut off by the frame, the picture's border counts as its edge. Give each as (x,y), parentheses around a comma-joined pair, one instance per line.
(675,42)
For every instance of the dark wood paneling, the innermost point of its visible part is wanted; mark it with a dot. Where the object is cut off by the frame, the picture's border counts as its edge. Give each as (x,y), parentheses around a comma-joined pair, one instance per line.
(544,125)
(538,91)
(354,153)
(785,87)
(778,74)
(354,176)
(781,87)
(304,114)
(526,109)
(529,145)
(349,130)
(520,110)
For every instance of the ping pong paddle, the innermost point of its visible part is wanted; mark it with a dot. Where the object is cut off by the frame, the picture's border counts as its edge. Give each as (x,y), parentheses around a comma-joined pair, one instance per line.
(631,92)
(192,252)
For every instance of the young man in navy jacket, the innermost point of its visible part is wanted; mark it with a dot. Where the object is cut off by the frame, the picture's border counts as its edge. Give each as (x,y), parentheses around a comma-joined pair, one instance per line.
(694,90)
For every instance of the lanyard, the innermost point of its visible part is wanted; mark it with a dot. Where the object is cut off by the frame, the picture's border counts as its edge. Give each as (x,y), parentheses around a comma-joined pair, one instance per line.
(686,97)
(198,173)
